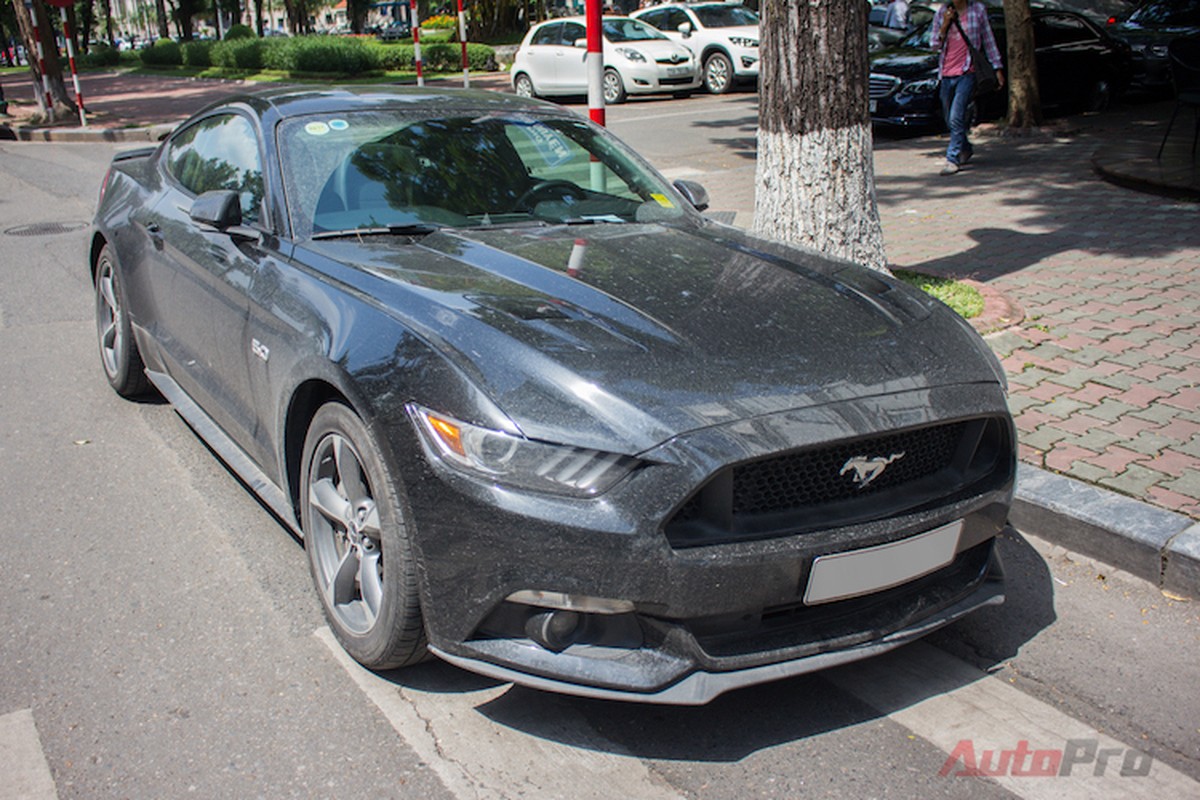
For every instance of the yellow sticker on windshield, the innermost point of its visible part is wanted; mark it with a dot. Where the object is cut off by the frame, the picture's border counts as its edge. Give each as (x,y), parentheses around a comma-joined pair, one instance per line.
(316,128)
(663,200)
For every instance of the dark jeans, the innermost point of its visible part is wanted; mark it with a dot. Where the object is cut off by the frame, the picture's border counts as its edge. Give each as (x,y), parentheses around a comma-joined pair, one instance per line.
(956,101)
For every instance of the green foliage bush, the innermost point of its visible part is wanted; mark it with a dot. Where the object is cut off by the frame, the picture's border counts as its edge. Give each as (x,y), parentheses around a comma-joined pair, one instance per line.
(246,54)
(197,54)
(163,53)
(320,54)
(101,55)
(239,31)
(436,56)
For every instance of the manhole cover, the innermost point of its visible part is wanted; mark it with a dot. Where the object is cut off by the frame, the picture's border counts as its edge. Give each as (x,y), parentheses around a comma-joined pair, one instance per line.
(45,228)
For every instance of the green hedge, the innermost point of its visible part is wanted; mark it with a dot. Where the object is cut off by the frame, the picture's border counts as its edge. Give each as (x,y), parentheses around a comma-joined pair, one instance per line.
(239,31)
(316,54)
(101,55)
(197,54)
(163,53)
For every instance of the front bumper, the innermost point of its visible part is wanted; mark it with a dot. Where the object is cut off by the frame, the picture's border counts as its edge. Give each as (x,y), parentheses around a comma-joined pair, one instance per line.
(652,77)
(695,618)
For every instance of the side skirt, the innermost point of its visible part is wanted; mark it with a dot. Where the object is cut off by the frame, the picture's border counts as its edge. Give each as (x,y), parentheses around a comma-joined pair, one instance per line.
(228,451)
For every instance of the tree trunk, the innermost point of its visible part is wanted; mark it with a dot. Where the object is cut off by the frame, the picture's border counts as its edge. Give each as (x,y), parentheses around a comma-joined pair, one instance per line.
(64,108)
(1024,102)
(160,9)
(815,182)
(258,17)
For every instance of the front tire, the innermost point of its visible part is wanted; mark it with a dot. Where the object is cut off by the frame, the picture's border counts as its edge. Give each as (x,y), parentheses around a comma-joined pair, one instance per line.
(718,74)
(614,88)
(359,543)
(118,350)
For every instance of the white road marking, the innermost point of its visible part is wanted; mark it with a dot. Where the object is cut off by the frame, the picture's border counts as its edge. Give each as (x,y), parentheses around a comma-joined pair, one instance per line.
(476,757)
(704,111)
(22,762)
(946,701)
(675,173)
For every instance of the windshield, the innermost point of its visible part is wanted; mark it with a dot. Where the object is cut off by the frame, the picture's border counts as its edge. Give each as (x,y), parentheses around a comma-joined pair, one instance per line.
(625,29)
(403,169)
(1168,13)
(724,16)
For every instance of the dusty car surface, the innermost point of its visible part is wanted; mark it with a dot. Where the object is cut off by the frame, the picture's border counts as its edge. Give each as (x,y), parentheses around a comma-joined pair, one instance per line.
(533,413)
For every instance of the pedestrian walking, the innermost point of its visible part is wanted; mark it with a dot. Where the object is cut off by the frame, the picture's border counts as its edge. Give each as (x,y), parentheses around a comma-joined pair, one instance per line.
(954,24)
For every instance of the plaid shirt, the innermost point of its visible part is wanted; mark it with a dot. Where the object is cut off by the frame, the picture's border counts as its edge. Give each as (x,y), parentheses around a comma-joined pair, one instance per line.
(978,29)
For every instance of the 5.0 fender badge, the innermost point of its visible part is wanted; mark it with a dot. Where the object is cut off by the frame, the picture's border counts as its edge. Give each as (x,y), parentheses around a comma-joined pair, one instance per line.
(868,468)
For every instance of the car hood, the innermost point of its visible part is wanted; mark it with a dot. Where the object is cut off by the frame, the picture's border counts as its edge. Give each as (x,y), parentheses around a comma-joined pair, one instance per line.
(655,48)
(619,337)
(906,63)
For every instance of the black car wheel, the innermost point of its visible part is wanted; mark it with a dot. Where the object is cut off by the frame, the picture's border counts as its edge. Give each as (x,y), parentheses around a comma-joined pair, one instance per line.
(614,88)
(118,351)
(359,544)
(523,86)
(718,73)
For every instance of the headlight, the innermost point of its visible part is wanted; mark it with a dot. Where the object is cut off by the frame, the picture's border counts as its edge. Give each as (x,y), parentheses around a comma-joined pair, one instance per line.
(631,54)
(743,41)
(927,86)
(513,461)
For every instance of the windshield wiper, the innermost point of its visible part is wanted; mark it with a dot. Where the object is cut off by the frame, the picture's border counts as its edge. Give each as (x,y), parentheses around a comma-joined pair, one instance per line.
(413,229)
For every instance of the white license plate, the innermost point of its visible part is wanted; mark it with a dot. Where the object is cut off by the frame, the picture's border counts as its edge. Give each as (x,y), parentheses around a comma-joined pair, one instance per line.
(674,71)
(873,105)
(873,569)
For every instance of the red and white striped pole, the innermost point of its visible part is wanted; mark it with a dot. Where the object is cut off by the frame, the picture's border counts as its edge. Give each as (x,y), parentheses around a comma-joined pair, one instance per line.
(595,62)
(41,57)
(416,31)
(462,39)
(71,59)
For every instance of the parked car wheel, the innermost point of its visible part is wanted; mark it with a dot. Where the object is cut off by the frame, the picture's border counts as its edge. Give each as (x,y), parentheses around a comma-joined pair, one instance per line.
(523,86)
(359,544)
(614,88)
(118,351)
(718,74)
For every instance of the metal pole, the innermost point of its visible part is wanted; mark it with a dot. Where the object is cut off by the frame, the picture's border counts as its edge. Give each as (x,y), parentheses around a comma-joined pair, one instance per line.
(462,38)
(595,62)
(71,59)
(41,57)
(416,32)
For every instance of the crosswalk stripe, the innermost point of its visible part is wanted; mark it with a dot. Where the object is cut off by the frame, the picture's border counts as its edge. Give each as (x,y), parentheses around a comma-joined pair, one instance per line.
(948,702)
(475,757)
(26,773)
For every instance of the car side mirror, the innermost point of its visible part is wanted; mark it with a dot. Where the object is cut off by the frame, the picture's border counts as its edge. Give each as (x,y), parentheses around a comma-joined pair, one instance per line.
(685,28)
(694,193)
(221,209)
(580,43)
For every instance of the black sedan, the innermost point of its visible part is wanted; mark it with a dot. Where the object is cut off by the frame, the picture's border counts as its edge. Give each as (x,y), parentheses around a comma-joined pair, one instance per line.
(1149,29)
(533,413)
(1079,66)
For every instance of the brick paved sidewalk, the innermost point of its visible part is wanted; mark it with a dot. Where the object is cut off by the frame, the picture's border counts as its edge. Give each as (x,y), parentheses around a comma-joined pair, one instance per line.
(1105,369)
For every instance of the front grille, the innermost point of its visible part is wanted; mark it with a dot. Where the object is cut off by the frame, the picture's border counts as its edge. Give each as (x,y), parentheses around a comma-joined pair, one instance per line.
(674,81)
(846,482)
(881,86)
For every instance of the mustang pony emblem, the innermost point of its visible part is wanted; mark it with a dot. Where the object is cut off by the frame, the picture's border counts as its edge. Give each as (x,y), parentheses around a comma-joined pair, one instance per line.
(867,469)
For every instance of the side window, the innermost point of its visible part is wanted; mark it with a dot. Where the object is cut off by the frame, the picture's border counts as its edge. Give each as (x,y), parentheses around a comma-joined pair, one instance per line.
(220,153)
(676,17)
(656,19)
(1051,31)
(572,31)
(547,35)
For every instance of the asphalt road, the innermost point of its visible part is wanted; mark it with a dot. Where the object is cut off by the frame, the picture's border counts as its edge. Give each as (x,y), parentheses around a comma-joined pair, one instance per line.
(159,636)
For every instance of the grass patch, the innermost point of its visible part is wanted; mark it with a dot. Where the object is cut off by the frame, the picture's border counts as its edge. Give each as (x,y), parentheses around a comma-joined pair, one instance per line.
(966,300)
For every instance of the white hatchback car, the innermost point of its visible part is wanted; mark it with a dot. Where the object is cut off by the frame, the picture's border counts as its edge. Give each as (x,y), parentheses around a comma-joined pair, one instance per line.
(724,37)
(638,59)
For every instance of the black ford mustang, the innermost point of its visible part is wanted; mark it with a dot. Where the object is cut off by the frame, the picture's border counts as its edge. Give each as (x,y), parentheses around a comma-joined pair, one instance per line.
(533,413)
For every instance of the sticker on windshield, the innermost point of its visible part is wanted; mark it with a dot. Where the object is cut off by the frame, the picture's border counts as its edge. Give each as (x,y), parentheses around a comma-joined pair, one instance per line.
(338,125)
(663,200)
(316,128)
(552,147)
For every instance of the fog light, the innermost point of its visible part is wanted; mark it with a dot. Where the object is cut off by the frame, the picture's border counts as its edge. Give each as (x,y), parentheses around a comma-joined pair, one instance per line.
(553,630)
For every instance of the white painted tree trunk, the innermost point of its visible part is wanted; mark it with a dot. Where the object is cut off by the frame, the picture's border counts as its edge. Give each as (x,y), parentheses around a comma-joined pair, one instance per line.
(815,180)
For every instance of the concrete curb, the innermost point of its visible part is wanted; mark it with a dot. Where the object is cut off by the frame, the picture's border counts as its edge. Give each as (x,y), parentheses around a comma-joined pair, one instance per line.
(152,133)
(1160,546)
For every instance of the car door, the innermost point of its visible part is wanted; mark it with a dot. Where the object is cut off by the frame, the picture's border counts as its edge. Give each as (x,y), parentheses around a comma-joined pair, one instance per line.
(542,56)
(1068,57)
(572,61)
(202,275)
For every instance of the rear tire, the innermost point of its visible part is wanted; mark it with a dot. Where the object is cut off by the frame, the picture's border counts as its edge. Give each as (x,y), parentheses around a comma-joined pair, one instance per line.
(118,350)
(523,86)
(359,543)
